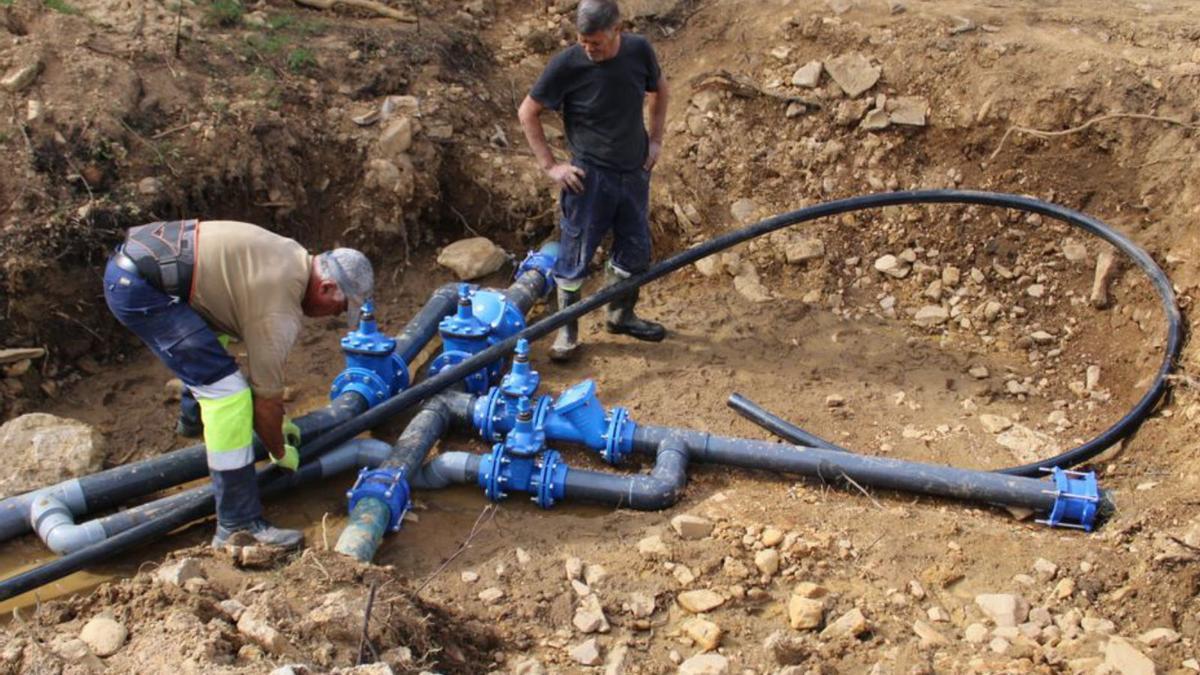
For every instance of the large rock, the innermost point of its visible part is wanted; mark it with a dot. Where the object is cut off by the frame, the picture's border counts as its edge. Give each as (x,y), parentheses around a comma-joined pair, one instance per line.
(909,110)
(39,449)
(805,613)
(699,601)
(472,258)
(104,635)
(705,664)
(586,653)
(1125,659)
(688,526)
(853,73)
(930,316)
(1004,609)
(705,633)
(1028,445)
(589,617)
(20,76)
(396,138)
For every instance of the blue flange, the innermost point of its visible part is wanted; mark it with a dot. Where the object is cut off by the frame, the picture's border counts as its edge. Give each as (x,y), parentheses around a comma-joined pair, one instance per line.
(483,318)
(373,370)
(542,261)
(618,438)
(388,486)
(1077,499)
(549,483)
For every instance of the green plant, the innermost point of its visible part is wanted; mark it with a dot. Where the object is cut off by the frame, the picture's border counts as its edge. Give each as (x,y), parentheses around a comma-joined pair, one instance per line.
(224,12)
(280,21)
(270,44)
(6,3)
(300,59)
(60,6)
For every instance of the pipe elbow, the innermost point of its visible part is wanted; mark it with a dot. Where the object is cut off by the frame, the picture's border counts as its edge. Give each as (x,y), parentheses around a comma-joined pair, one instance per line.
(55,525)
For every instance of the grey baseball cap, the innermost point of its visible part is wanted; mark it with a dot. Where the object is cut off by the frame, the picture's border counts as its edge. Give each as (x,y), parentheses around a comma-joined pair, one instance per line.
(354,276)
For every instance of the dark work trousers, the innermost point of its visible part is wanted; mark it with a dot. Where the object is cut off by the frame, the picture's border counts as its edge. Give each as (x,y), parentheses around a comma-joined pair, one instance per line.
(183,341)
(611,200)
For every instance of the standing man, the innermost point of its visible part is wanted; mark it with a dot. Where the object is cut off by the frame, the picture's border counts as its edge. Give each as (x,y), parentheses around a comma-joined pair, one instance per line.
(181,287)
(599,86)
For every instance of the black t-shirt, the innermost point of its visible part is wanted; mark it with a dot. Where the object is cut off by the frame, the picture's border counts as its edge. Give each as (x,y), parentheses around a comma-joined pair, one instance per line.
(601,103)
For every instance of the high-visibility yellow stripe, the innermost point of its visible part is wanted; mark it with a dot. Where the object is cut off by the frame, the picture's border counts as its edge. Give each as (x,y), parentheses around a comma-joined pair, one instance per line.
(229,430)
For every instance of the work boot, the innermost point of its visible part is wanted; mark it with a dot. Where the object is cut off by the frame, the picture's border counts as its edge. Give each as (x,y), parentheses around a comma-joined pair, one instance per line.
(258,532)
(621,318)
(189,429)
(567,340)
(190,424)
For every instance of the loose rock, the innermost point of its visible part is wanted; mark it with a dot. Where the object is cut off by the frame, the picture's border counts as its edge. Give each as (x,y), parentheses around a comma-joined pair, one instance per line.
(931,315)
(37,449)
(853,73)
(179,572)
(743,210)
(699,601)
(261,632)
(808,75)
(892,266)
(653,547)
(1105,267)
(805,613)
(1158,637)
(1123,657)
(472,258)
(705,664)
(850,624)
(589,616)
(767,561)
(802,249)
(705,633)
(104,635)
(586,653)
(929,636)
(491,596)
(20,76)
(688,526)
(994,424)
(1004,609)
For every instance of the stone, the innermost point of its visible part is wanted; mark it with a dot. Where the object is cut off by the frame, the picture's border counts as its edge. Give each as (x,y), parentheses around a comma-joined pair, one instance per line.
(808,75)
(1028,445)
(586,653)
(1073,250)
(232,609)
(21,76)
(258,556)
(1093,624)
(805,613)
(1106,265)
(975,633)
(1158,637)
(396,138)
(876,120)
(699,601)
(15,354)
(803,249)
(689,526)
(491,596)
(472,258)
(104,635)
(853,72)
(262,633)
(523,557)
(751,287)
(1092,377)
(1045,569)
(469,577)
(929,635)
(1125,659)
(653,547)
(1064,589)
(1041,337)
(683,574)
(528,667)
(794,109)
(640,605)
(835,401)
(786,648)
(704,664)
(150,186)
(179,572)
(937,615)
(772,536)
(37,449)
(594,574)
(850,624)
(388,176)
(994,424)
(892,266)
(709,266)
(908,110)
(767,561)
(807,589)
(1004,609)
(705,633)
(992,310)
(589,616)
(581,589)
(574,567)
(979,372)
(615,663)
(743,211)
(930,316)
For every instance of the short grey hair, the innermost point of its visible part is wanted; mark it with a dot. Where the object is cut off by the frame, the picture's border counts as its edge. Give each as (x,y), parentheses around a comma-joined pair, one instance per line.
(594,16)
(355,277)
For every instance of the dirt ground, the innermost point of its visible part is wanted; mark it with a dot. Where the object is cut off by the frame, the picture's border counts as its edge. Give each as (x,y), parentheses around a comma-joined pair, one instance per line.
(983,348)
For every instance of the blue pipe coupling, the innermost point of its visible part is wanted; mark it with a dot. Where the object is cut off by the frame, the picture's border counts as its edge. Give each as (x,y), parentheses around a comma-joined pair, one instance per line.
(543,261)
(373,369)
(1076,499)
(484,317)
(389,486)
(543,476)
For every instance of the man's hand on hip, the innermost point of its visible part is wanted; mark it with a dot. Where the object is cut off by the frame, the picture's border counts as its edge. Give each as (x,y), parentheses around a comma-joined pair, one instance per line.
(652,153)
(567,176)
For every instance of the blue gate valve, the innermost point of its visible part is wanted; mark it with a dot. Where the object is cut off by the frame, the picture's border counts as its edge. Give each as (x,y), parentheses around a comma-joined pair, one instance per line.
(545,477)
(525,440)
(373,369)
(463,336)
(388,486)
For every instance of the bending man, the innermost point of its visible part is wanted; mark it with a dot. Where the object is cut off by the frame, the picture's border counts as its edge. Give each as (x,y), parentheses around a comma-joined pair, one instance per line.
(182,287)
(599,85)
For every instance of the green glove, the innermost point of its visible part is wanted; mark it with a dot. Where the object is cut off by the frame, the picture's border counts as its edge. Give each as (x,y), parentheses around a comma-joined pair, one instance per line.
(290,459)
(291,432)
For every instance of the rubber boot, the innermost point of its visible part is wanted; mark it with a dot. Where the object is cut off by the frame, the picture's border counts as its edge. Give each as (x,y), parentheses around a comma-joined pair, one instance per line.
(567,341)
(189,424)
(622,320)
